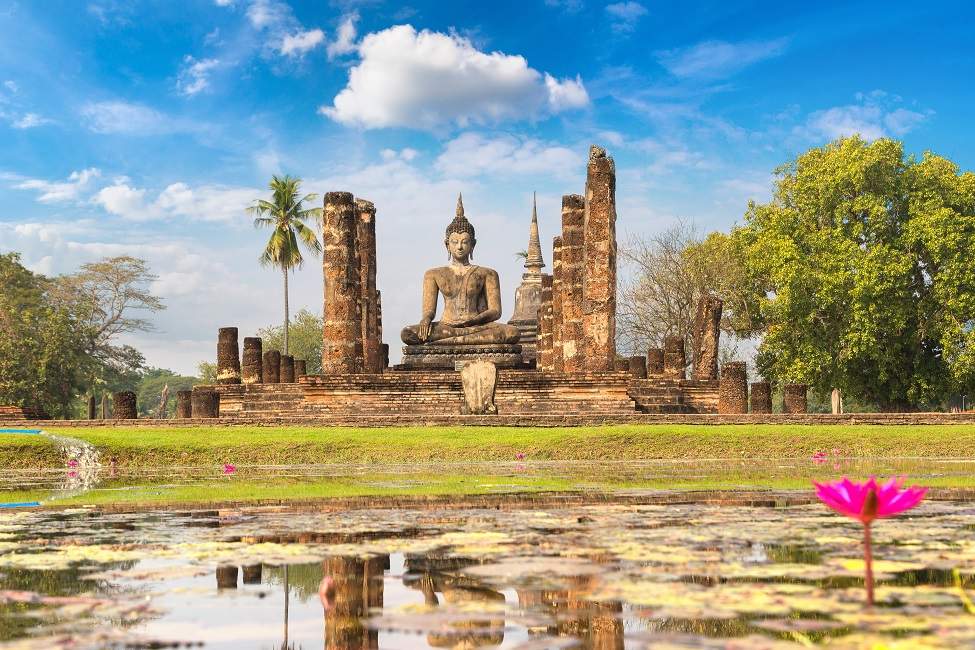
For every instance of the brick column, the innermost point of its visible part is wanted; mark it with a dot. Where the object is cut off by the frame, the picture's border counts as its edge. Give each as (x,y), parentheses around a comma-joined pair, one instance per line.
(252,368)
(301,368)
(184,404)
(544,362)
(599,263)
(733,389)
(760,400)
(573,218)
(794,398)
(228,356)
(674,357)
(271,370)
(557,293)
(655,362)
(205,403)
(287,373)
(366,235)
(707,331)
(123,406)
(638,367)
(342,330)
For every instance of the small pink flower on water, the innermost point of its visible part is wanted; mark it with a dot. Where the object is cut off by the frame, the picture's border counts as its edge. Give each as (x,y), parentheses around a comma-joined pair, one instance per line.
(229,468)
(851,499)
(73,462)
(819,457)
(520,455)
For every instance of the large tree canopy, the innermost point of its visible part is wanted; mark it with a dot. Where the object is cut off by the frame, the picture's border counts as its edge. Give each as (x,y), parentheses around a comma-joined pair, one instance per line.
(864,256)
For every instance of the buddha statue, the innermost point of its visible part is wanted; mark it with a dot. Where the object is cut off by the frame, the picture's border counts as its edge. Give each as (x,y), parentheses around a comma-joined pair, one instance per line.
(471,295)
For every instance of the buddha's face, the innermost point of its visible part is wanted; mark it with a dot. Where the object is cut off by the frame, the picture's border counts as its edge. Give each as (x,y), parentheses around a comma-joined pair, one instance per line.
(460,245)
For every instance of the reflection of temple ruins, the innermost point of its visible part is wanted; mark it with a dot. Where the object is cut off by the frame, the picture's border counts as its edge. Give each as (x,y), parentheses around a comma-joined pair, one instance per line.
(556,356)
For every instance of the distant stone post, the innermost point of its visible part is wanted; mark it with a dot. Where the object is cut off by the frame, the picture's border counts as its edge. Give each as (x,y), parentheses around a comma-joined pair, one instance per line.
(161,412)
(675,359)
(545,322)
(707,332)
(104,410)
(205,403)
(287,375)
(342,330)
(573,218)
(733,389)
(301,368)
(184,404)
(272,367)
(599,263)
(91,407)
(655,362)
(124,406)
(794,398)
(252,370)
(760,399)
(366,235)
(638,367)
(228,356)
(557,293)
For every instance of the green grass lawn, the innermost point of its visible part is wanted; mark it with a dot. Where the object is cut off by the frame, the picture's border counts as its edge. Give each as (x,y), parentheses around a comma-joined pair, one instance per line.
(204,445)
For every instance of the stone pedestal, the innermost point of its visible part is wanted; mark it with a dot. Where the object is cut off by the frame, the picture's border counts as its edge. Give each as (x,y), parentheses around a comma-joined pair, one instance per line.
(760,400)
(675,359)
(794,398)
(272,367)
(287,372)
(599,264)
(733,389)
(573,217)
(184,404)
(342,329)
(228,356)
(707,332)
(452,357)
(252,368)
(638,367)
(479,379)
(655,362)
(123,404)
(205,403)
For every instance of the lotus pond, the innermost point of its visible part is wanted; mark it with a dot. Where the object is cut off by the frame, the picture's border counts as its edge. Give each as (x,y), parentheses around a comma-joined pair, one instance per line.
(721,553)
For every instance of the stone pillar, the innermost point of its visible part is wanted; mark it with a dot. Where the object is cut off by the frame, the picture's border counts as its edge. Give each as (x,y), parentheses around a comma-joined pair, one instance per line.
(707,331)
(228,356)
(557,289)
(760,399)
(184,404)
(794,398)
(733,389)
(104,410)
(124,406)
(366,235)
(384,354)
(301,368)
(205,403)
(271,370)
(91,407)
(674,358)
(545,321)
(638,367)
(599,263)
(252,368)
(342,330)
(655,362)
(573,218)
(287,375)
(621,365)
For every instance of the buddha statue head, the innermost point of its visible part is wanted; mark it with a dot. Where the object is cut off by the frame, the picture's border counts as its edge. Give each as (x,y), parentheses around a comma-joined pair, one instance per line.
(459,238)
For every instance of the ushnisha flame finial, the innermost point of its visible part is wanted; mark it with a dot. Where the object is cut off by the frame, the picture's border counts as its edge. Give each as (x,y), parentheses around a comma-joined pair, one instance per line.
(460,204)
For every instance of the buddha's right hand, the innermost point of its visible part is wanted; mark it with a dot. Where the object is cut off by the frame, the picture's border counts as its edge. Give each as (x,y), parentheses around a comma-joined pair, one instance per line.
(424,328)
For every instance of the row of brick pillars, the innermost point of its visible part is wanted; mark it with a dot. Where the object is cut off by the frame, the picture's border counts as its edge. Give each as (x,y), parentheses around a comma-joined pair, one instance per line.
(258,367)
(734,395)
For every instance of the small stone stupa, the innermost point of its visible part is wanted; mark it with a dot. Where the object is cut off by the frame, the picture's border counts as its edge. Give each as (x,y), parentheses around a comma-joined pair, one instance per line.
(528,296)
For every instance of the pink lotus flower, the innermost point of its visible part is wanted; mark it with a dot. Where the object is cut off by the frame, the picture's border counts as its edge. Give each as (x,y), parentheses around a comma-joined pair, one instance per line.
(819,457)
(866,502)
(73,463)
(520,455)
(229,468)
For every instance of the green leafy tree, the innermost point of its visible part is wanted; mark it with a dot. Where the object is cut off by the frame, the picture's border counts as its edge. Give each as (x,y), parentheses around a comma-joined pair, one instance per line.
(306,339)
(207,373)
(863,260)
(150,387)
(286,215)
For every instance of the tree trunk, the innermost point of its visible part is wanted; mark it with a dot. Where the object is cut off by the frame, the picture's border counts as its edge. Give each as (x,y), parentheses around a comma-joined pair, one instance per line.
(285,311)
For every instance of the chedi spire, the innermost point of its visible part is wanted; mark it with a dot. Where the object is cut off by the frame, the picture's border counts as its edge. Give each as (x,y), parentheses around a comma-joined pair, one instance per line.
(533,260)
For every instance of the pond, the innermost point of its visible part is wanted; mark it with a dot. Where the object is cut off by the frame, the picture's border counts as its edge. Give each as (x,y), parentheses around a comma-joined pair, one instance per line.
(509,563)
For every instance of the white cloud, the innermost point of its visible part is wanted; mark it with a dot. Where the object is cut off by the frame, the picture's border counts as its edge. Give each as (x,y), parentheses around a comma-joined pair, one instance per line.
(29,121)
(625,15)
(215,203)
(58,192)
(195,75)
(874,116)
(569,6)
(301,42)
(125,118)
(429,79)
(125,201)
(10,85)
(267,13)
(223,3)
(473,154)
(344,42)
(715,59)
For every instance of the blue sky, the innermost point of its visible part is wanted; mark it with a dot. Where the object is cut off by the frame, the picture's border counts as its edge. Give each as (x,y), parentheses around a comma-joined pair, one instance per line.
(147,128)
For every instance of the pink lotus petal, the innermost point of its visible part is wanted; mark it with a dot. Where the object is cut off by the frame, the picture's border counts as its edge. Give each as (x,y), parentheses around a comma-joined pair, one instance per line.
(848,497)
(229,468)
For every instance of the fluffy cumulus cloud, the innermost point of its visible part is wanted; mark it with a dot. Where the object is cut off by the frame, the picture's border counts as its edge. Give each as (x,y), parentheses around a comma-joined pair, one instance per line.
(624,16)
(178,200)
(195,75)
(716,59)
(299,43)
(344,42)
(57,191)
(874,115)
(474,154)
(429,79)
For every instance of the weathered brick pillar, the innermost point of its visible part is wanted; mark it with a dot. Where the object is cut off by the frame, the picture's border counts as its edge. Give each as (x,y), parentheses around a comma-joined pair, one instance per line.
(794,398)
(205,403)
(287,372)
(301,368)
(123,406)
(184,404)
(342,330)
(379,319)
(557,293)
(733,389)
(674,358)
(104,409)
(599,263)
(760,400)
(252,368)
(228,356)
(271,368)
(366,235)
(91,407)
(545,321)
(655,362)
(384,354)
(573,218)
(707,331)
(638,367)
(621,365)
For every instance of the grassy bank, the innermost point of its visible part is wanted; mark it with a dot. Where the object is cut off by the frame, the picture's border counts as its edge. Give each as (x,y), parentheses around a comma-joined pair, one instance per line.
(184,446)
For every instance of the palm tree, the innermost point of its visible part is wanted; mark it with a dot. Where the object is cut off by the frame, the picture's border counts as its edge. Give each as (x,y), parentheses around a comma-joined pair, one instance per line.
(286,214)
